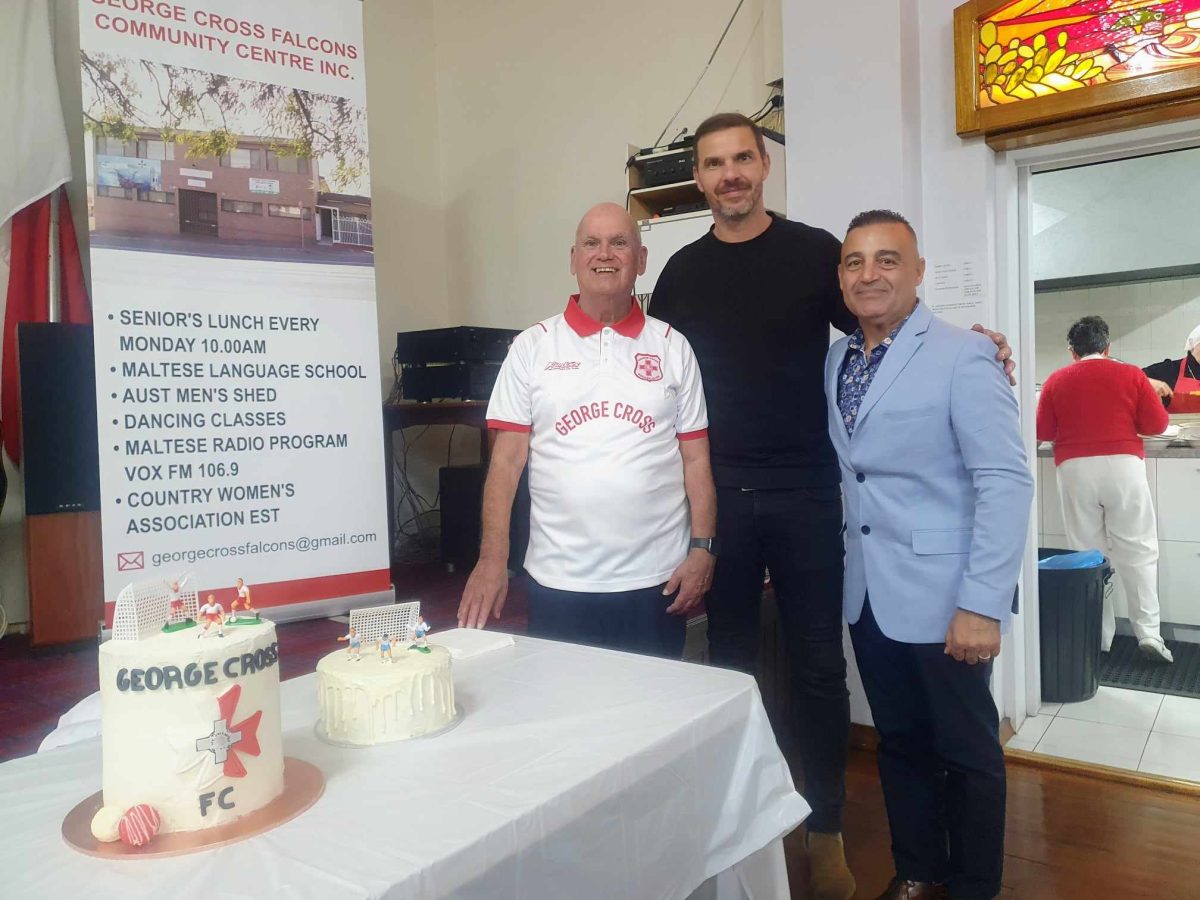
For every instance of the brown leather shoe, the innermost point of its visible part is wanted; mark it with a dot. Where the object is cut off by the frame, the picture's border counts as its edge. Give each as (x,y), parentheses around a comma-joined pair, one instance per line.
(914,890)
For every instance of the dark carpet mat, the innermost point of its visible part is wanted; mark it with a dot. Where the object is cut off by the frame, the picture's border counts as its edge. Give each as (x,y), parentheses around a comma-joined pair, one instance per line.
(1124,667)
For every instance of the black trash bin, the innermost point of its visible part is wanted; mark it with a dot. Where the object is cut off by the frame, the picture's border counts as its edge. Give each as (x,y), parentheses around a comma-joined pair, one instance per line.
(1071,605)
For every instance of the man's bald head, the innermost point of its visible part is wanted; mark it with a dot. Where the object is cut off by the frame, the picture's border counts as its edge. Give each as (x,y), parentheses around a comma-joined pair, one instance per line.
(608,255)
(607,216)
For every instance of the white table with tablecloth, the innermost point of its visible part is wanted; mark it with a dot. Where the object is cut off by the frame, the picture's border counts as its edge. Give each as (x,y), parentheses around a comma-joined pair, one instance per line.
(575,773)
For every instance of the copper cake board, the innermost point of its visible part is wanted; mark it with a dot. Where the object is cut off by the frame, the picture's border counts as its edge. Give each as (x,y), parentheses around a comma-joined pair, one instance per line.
(303,785)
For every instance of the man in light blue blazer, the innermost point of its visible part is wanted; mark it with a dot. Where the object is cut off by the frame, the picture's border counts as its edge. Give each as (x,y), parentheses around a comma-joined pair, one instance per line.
(937,496)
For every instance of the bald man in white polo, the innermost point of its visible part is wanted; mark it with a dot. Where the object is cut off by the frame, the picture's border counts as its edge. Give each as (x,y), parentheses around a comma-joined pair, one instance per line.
(607,407)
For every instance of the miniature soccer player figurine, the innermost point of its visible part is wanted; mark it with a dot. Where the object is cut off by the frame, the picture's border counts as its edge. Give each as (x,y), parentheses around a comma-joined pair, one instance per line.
(385,647)
(243,597)
(418,632)
(173,589)
(212,613)
(355,647)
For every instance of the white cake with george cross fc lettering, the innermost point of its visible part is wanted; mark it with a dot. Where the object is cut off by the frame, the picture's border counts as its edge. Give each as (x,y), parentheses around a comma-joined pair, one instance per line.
(190,718)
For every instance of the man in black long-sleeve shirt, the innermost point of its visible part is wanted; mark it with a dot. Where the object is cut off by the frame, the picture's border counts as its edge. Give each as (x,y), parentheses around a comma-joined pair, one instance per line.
(756,297)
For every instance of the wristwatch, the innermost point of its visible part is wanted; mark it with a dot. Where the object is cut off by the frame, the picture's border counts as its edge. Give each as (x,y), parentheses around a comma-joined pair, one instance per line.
(709,544)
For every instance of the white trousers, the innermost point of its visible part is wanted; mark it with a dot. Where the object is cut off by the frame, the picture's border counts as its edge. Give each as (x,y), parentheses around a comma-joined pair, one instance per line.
(1106,506)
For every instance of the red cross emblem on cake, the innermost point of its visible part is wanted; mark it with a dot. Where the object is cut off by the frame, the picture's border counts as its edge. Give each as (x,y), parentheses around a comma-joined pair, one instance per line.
(647,367)
(227,740)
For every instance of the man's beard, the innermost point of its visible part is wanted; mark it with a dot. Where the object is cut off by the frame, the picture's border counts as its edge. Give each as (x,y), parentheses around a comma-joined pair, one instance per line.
(737,210)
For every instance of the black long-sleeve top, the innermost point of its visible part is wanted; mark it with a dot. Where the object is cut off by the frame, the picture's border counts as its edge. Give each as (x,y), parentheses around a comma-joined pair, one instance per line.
(757,314)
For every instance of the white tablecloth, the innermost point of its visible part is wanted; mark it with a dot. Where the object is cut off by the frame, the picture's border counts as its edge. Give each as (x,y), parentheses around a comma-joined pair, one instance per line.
(576,773)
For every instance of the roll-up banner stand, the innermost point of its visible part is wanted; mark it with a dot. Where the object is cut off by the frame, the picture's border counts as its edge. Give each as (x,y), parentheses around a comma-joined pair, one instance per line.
(237,372)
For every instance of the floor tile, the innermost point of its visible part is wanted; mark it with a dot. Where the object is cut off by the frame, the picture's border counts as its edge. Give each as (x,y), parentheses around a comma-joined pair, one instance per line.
(1050,709)
(1094,742)
(1116,706)
(1172,756)
(1179,715)
(1033,728)
(1018,744)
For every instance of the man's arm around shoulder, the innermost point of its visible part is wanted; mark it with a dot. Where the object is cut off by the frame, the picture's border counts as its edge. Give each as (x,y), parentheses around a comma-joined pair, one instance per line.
(986,422)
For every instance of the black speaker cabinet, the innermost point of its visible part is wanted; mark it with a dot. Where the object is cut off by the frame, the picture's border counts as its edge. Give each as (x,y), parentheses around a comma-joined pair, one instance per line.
(461,490)
(60,457)
(60,465)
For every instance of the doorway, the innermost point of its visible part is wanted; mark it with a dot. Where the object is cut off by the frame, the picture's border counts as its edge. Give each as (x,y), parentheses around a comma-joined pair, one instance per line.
(325,216)
(198,213)
(1083,225)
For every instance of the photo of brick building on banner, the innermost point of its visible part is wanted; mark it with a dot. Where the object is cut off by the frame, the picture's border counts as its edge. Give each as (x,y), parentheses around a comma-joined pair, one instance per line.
(255,193)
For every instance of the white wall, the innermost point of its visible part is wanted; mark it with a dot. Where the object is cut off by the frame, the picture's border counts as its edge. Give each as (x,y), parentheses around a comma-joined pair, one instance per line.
(407,204)
(849,113)
(538,104)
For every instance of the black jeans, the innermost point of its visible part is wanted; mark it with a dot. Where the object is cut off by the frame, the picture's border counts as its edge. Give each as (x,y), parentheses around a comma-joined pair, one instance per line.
(635,621)
(940,760)
(797,534)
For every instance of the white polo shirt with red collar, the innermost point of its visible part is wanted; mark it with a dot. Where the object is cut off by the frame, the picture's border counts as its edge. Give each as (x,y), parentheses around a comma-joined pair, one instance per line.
(605,408)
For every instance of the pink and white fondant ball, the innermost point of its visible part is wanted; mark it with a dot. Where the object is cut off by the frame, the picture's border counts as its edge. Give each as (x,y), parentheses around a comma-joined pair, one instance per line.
(139,825)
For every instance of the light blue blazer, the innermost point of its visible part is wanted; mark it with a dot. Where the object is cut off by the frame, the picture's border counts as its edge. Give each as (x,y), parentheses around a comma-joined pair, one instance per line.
(937,487)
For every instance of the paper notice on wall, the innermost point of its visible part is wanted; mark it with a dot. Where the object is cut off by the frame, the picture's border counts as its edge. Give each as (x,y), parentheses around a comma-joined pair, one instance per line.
(957,285)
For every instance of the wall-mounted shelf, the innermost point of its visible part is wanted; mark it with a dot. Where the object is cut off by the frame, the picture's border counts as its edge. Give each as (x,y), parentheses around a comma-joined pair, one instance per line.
(664,201)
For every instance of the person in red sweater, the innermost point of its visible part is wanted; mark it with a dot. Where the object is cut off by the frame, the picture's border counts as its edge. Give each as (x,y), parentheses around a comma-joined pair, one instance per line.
(1094,411)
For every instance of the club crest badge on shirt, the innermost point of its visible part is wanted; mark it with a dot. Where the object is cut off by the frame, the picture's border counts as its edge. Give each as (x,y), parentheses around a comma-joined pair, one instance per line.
(647,367)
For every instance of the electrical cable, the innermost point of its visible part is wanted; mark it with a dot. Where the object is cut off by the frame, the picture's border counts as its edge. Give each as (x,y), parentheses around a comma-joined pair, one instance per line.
(703,72)
(765,109)
(397,393)
(437,499)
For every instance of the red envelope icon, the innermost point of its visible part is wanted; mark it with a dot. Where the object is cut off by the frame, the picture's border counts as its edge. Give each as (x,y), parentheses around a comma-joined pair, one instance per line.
(129,561)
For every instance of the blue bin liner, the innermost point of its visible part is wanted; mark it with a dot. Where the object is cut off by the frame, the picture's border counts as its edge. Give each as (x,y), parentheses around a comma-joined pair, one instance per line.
(1080,559)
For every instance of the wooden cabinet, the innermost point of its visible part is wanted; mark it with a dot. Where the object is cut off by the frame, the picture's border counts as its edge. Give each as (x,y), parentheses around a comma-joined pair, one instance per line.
(66,577)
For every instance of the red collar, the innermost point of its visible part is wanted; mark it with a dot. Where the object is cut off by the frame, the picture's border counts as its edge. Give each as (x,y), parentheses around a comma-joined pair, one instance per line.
(585,326)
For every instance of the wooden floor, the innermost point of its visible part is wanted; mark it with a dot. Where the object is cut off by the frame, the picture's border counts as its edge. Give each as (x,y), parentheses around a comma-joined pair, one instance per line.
(1069,837)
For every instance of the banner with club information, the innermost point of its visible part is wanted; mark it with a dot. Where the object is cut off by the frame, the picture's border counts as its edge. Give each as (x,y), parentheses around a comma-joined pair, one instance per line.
(233,285)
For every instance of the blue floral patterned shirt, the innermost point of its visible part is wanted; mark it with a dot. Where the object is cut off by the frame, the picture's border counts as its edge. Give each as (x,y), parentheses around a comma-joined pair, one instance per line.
(858,371)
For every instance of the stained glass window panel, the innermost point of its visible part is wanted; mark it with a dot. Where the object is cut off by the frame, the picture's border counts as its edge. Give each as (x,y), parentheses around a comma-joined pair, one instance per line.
(1034,48)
